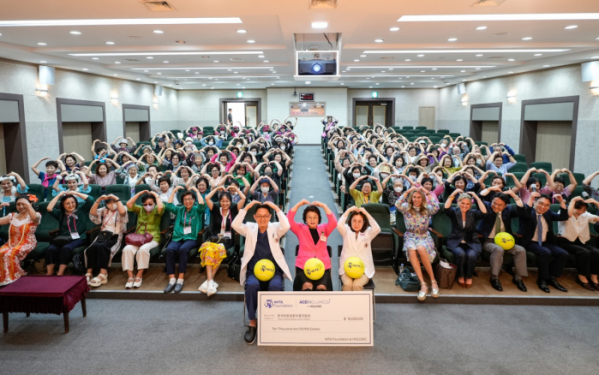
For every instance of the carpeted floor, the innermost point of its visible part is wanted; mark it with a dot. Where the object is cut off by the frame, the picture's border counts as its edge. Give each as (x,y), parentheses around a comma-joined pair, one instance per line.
(157,337)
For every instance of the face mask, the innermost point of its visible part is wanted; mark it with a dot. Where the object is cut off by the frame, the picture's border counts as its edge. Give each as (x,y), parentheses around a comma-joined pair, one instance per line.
(356,175)
(253,153)
(222,133)
(148,207)
(189,142)
(384,175)
(397,189)
(111,206)
(282,147)
(412,177)
(210,143)
(264,189)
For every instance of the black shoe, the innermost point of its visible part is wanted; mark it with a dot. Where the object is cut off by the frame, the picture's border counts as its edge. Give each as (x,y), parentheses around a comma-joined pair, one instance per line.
(169,288)
(178,287)
(587,286)
(595,285)
(496,285)
(543,286)
(520,284)
(553,282)
(250,335)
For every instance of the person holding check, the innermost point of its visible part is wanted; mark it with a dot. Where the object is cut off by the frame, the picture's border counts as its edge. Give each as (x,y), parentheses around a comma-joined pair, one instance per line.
(262,241)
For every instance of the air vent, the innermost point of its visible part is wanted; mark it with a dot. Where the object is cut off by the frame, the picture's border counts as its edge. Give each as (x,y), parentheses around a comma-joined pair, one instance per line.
(236,59)
(205,56)
(387,58)
(134,37)
(158,6)
(323,4)
(487,3)
(501,33)
(496,57)
(131,60)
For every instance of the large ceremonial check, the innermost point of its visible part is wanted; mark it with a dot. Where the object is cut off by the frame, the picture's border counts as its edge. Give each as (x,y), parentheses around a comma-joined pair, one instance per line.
(315,318)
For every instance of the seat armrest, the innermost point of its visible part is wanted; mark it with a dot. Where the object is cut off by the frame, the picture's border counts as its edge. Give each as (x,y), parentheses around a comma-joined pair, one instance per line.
(439,235)
(396,231)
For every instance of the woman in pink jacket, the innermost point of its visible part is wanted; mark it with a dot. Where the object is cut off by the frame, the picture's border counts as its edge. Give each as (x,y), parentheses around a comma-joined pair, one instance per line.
(312,238)
(225,158)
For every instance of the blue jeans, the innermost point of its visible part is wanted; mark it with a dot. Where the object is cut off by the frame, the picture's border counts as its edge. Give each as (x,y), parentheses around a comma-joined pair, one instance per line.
(178,249)
(253,286)
(56,255)
(545,265)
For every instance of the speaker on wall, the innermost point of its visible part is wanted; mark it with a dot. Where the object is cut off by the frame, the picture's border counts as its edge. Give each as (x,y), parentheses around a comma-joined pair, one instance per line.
(461,88)
(158,90)
(45,75)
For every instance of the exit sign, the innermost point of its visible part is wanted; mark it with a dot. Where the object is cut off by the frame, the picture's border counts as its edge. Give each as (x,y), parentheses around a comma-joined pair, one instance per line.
(375,94)
(239,94)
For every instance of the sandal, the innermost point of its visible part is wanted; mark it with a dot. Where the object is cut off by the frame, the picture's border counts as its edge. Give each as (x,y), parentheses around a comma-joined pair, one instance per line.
(137,282)
(88,277)
(98,280)
(434,292)
(129,284)
(422,295)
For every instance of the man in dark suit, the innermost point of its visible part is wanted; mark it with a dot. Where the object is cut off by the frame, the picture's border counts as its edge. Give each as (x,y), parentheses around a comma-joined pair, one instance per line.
(497,220)
(536,228)
(230,117)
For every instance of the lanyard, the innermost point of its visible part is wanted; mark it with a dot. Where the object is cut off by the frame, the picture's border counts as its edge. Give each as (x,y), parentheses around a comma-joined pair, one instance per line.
(108,219)
(74,223)
(223,225)
(185,219)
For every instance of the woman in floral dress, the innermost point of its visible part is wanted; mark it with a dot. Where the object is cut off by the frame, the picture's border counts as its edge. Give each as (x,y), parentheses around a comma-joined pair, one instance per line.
(21,239)
(418,243)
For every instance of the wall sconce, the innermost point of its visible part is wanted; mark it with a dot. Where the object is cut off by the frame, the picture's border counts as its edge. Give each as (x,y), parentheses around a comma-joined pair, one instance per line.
(114,100)
(465,100)
(41,92)
(511,98)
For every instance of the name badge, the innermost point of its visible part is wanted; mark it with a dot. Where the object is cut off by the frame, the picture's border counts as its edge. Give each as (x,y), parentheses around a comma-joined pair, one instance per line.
(227,235)
(323,238)
(75,235)
(186,230)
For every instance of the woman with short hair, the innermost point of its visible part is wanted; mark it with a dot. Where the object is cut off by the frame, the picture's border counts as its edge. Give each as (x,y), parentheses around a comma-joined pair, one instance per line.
(357,237)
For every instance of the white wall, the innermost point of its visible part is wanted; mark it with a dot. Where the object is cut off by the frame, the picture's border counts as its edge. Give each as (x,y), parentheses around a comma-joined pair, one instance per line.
(40,112)
(550,83)
(309,129)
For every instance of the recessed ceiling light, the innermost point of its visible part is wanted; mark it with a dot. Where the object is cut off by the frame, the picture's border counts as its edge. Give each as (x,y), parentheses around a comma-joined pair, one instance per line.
(422,71)
(319,25)
(460,60)
(377,83)
(95,58)
(204,84)
(155,82)
(251,41)
(356,60)
(307,82)
(421,55)
(197,72)
(477,69)
(510,72)
(479,55)
(546,66)
(403,87)
(594,57)
(166,62)
(117,62)
(216,61)
(139,79)
(407,60)
(481,28)
(158,32)
(265,61)
(146,71)
(342,84)
(84,69)
(527,38)
(149,57)
(158,73)
(378,41)
(43,61)
(121,21)
(434,87)
(452,39)
(238,84)
(241,31)
(187,70)
(41,44)
(236,72)
(571,27)
(484,76)
(394,29)
(412,83)
(115,75)
(383,71)
(369,87)
(511,60)
(538,54)
(434,68)
(390,68)
(75,32)
(261,56)
(273,71)
(110,43)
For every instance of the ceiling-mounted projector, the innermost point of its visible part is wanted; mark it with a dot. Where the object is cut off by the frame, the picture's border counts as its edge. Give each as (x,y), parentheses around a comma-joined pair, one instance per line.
(317,66)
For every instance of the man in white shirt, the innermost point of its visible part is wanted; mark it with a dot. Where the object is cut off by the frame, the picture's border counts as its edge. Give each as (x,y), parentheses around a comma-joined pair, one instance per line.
(576,235)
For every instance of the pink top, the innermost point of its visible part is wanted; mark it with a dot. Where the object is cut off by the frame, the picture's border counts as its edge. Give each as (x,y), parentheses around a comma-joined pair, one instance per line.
(525,194)
(307,249)
(229,164)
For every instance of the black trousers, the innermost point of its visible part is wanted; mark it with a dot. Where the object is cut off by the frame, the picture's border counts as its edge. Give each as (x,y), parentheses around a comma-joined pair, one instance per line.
(98,254)
(62,255)
(587,257)
(301,278)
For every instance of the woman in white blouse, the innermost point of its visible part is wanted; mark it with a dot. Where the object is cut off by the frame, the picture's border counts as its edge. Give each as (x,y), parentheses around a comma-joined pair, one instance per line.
(362,229)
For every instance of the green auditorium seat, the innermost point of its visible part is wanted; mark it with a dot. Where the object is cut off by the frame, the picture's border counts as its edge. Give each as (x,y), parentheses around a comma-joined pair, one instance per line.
(519,167)
(382,245)
(443,131)
(42,233)
(542,165)
(123,192)
(408,128)
(398,233)
(38,190)
(441,229)
(96,191)
(421,128)
(520,158)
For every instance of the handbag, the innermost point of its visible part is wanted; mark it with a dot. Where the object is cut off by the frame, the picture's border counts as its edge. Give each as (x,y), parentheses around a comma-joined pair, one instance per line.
(408,281)
(445,274)
(61,241)
(138,240)
(79,264)
(104,235)
(234,267)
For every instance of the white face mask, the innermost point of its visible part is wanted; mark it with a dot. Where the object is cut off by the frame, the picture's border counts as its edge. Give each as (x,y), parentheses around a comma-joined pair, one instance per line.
(397,189)
(148,207)
(222,133)
(111,206)
(189,142)
(264,189)
(384,175)
(412,177)
(253,153)
(356,175)
(210,143)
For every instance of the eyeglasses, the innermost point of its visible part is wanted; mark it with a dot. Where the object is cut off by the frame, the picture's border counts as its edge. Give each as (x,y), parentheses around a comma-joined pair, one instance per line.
(262,217)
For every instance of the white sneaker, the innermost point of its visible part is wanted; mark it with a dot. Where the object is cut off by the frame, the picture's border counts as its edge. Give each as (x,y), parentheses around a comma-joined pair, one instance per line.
(211,288)
(137,284)
(204,287)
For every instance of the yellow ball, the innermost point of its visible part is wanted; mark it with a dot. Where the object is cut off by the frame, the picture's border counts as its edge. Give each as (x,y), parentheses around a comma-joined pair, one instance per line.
(314,268)
(354,267)
(505,240)
(264,270)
